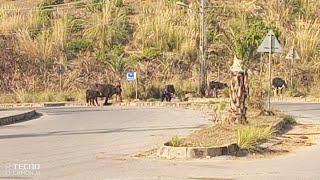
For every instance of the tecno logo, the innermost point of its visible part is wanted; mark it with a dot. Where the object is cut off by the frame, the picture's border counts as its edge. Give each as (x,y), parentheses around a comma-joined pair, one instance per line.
(26,166)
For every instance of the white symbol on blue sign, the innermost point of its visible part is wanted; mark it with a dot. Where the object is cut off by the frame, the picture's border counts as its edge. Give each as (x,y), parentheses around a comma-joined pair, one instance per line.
(131,76)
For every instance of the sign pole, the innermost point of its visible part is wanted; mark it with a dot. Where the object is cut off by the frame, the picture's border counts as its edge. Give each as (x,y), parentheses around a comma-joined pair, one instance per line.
(291,71)
(137,87)
(60,84)
(269,92)
(270,56)
(270,45)
(292,55)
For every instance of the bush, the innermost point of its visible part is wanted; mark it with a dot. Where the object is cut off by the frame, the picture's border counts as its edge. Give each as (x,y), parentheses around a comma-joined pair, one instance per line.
(151,52)
(289,118)
(249,136)
(76,46)
(43,17)
(174,142)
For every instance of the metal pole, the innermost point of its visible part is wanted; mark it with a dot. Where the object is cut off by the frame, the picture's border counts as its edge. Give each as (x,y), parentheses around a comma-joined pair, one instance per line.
(269,93)
(202,84)
(60,79)
(260,77)
(291,71)
(291,74)
(137,86)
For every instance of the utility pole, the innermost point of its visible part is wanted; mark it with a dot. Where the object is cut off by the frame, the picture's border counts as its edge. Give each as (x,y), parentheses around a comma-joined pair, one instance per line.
(202,46)
(202,54)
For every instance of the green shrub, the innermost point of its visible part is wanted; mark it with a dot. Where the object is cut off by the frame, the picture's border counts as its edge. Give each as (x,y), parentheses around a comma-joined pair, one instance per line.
(43,17)
(248,136)
(223,105)
(76,46)
(175,141)
(289,118)
(151,52)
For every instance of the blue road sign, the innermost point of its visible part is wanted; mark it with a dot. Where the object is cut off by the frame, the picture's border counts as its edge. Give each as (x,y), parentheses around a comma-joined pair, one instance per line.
(131,76)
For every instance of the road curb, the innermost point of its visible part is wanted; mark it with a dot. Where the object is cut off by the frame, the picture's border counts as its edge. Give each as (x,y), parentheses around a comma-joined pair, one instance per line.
(191,105)
(296,99)
(170,152)
(18,118)
(45,104)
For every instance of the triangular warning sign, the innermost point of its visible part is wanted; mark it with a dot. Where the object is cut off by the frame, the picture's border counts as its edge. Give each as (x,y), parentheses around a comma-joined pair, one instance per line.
(270,44)
(293,54)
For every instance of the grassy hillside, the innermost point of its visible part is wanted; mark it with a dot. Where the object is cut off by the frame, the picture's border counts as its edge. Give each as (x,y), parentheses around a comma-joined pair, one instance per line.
(98,41)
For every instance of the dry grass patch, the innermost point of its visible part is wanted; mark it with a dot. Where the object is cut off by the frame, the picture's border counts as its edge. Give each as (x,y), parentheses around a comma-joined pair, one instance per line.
(247,136)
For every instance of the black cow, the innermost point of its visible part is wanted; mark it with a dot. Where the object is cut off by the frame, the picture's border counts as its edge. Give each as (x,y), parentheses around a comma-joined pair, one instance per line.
(168,93)
(92,97)
(214,86)
(277,85)
(107,90)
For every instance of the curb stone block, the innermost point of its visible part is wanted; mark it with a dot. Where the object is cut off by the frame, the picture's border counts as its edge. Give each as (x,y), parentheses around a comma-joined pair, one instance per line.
(233,148)
(17,118)
(213,152)
(170,152)
(197,152)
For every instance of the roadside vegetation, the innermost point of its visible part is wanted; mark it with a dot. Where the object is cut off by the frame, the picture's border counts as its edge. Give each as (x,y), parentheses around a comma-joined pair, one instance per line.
(98,41)
(259,130)
(247,136)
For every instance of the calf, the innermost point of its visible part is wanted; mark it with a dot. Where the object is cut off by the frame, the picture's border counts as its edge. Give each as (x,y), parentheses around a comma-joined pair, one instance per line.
(168,93)
(92,97)
(277,85)
(214,86)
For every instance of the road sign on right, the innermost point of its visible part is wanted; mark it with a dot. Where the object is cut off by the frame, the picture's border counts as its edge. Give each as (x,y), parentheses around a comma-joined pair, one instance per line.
(270,44)
(293,54)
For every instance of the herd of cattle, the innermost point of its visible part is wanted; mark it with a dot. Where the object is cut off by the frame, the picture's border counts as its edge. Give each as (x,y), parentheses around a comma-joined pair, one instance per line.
(108,90)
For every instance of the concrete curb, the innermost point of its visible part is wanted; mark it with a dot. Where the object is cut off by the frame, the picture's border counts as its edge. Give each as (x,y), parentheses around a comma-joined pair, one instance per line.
(296,99)
(191,105)
(170,152)
(18,118)
(37,105)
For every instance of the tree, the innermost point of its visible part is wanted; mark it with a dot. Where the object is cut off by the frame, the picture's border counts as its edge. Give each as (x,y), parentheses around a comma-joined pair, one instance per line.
(238,93)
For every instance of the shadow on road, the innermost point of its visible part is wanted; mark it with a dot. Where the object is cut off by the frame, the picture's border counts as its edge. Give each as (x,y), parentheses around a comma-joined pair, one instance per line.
(97,131)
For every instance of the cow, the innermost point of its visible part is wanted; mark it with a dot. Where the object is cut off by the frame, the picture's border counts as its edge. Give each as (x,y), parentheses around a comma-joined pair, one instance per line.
(92,97)
(168,93)
(277,85)
(214,86)
(107,90)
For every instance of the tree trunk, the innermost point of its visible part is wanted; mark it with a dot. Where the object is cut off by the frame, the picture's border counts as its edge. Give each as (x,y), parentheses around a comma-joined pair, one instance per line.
(238,95)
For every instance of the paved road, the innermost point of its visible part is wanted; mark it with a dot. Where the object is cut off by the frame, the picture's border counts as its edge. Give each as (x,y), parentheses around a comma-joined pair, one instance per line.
(96,143)
(74,141)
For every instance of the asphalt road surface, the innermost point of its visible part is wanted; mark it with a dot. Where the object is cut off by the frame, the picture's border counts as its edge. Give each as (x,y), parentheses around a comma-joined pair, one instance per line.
(97,143)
